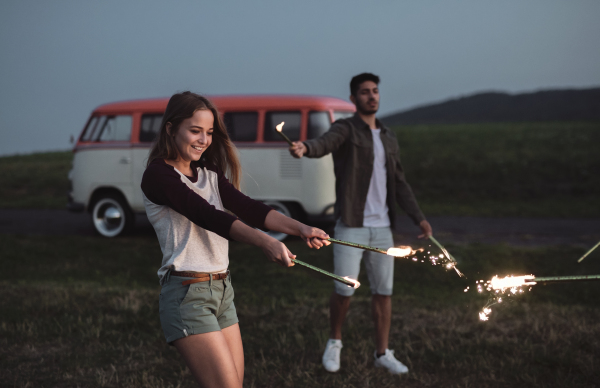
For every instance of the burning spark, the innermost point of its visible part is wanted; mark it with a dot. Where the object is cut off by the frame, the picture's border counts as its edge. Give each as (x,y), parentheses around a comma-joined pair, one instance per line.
(279,126)
(511,282)
(356,282)
(485,314)
(498,288)
(404,251)
(401,251)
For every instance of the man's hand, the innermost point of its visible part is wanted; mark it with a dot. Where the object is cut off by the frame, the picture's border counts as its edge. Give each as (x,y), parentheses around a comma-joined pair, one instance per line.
(426,229)
(298,149)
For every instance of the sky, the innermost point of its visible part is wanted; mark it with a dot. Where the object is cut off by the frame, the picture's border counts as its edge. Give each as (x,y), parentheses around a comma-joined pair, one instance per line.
(61,59)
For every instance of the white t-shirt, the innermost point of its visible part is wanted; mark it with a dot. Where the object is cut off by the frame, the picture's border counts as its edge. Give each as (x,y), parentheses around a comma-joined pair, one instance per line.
(376,209)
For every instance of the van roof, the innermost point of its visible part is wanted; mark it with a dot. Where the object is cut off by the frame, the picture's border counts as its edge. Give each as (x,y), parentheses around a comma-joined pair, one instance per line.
(236,102)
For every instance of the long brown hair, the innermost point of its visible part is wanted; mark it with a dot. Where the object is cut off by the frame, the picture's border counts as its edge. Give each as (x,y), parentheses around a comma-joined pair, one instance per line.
(221,152)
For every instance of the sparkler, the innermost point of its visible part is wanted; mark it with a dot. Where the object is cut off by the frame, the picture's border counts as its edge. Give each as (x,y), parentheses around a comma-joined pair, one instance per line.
(279,128)
(588,252)
(530,280)
(345,280)
(401,251)
(513,285)
(453,261)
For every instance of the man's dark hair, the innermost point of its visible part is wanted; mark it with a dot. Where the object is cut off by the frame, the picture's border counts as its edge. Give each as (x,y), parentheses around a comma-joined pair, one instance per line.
(359,79)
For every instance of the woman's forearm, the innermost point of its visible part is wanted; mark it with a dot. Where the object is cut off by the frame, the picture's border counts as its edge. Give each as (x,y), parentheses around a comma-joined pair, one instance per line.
(280,223)
(248,235)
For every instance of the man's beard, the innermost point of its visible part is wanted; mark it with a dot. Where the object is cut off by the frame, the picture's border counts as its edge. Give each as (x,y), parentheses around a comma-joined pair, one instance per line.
(366,110)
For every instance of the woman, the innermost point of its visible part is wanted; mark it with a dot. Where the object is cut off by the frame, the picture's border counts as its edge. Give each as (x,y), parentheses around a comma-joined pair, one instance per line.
(185,193)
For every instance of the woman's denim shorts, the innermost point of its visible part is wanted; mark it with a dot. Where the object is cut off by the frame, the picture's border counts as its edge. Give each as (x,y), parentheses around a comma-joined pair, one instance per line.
(196,308)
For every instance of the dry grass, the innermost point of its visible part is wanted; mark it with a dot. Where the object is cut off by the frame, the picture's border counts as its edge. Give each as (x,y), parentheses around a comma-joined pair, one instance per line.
(95,328)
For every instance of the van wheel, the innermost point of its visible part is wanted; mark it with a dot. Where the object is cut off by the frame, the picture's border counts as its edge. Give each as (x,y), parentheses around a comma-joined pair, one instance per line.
(283,209)
(111,216)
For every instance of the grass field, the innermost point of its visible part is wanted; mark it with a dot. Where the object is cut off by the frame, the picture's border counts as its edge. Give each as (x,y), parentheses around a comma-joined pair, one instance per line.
(518,169)
(83,312)
(531,169)
(35,181)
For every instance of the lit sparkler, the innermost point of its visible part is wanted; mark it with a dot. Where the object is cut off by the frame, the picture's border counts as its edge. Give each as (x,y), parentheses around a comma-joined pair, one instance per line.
(279,128)
(401,251)
(588,252)
(404,251)
(452,261)
(513,285)
(346,280)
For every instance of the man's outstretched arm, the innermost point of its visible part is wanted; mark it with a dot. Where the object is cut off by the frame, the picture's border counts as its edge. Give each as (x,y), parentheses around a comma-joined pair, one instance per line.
(323,145)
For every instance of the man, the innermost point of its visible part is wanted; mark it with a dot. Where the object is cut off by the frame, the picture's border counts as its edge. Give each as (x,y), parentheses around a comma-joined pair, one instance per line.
(369,183)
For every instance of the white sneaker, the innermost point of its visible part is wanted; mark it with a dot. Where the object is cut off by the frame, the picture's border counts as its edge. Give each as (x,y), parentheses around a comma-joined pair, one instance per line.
(331,357)
(389,361)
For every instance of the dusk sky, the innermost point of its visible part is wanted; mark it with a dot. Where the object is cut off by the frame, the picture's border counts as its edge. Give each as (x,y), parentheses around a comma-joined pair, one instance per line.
(61,59)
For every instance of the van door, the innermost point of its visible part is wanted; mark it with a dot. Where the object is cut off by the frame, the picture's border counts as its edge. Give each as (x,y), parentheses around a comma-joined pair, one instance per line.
(107,159)
(149,128)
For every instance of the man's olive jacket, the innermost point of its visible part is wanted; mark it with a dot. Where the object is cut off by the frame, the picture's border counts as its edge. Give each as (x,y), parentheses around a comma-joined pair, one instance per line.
(351,143)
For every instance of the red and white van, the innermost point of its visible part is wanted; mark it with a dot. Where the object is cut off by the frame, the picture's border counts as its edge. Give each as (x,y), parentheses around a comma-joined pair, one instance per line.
(111,153)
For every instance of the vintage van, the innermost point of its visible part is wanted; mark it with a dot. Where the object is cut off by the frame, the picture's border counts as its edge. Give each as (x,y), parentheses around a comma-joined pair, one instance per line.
(110,156)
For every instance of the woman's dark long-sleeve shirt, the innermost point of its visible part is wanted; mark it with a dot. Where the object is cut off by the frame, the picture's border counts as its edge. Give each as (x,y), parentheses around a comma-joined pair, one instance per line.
(188,215)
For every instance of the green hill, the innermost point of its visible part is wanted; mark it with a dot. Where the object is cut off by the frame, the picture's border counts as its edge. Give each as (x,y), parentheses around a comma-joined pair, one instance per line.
(495,107)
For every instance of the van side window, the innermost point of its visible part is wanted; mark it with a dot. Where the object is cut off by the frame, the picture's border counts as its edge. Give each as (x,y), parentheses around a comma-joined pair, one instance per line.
(241,126)
(291,127)
(318,124)
(150,127)
(113,128)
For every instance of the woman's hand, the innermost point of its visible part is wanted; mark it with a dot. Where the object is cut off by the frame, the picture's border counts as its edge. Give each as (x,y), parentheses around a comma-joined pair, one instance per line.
(277,252)
(314,237)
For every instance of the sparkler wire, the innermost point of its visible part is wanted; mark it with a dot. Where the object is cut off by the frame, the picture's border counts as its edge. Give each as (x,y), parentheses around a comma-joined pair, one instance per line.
(446,253)
(284,136)
(333,276)
(588,252)
(360,246)
(550,279)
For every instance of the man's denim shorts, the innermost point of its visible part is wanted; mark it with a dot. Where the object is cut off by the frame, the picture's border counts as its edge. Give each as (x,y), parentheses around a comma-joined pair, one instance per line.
(346,260)
(196,308)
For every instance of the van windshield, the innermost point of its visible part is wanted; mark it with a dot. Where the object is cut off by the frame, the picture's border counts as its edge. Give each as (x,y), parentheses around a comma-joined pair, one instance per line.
(108,128)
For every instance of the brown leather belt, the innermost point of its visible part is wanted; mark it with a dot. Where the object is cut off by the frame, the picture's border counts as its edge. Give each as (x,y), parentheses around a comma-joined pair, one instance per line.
(199,276)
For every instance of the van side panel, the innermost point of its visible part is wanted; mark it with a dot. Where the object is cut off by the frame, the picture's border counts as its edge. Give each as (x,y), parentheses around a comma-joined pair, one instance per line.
(321,192)
(101,167)
(271,173)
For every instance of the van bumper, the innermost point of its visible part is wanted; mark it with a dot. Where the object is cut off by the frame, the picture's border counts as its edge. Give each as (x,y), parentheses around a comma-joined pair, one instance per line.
(72,206)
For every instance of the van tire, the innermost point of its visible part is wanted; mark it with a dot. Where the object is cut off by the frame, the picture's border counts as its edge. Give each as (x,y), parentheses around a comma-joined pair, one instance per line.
(283,208)
(112,216)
